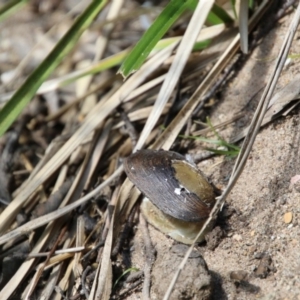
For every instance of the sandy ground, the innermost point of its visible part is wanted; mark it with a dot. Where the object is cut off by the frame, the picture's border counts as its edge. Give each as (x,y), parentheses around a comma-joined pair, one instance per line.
(257,239)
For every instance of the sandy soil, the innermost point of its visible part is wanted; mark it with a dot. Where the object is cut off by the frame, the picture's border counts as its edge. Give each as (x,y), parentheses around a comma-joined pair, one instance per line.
(256,238)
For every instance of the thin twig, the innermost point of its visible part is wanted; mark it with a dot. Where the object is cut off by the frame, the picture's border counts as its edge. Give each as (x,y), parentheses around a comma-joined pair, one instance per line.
(36,223)
(41,269)
(133,286)
(150,257)
(83,280)
(129,126)
(124,233)
(99,245)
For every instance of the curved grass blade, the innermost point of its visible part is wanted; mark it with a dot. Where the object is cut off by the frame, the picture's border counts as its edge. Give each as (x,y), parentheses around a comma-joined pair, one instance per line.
(156,31)
(23,95)
(123,274)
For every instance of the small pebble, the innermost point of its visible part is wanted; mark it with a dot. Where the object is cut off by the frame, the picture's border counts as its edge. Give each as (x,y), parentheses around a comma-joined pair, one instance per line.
(288,217)
(238,275)
(237,237)
(294,242)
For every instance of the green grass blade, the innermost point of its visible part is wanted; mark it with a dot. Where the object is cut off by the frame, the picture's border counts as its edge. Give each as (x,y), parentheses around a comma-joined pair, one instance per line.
(10,7)
(104,64)
(231,151)
(228,153)
(201,45)
(24,94)
(251,4)
(124,273)
(233,8)
(156,31)
(199,138)
(218,16)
